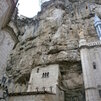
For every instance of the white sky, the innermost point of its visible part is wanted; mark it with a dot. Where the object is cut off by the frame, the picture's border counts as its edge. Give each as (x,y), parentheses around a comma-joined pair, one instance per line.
(29,8)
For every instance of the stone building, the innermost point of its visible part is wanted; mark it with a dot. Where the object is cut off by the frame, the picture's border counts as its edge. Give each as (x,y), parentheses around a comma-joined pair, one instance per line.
(7,36)
(91,64)
(43,85)
(44,79)
(8,40)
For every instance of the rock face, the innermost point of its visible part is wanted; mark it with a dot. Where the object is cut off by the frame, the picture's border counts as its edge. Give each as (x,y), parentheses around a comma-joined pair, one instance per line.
(52,38)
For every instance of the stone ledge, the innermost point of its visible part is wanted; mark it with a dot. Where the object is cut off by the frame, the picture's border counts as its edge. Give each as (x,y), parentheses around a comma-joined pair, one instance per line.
(30,93)
(90,44)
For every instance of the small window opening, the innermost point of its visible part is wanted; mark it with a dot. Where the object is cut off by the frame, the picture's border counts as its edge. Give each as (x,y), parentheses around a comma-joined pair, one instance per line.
(43,89)
(43,75)
(51,89)
(94,65)
(37,70)
(48,74)
(100,93)
(37,89)
(86,7)
(4,80)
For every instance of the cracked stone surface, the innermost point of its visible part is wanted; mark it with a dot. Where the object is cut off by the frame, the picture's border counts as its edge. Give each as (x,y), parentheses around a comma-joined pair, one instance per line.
(51,37)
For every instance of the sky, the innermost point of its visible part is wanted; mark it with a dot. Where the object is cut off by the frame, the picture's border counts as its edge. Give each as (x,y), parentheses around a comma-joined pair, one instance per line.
(29,8)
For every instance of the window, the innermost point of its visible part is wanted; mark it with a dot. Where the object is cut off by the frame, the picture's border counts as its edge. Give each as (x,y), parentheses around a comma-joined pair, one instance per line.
(37,70)
(86,7)
(43,88)
(51,89)
(37,89)
(48,74)
(100,93)
(4,80)
(94,65)
(45,75)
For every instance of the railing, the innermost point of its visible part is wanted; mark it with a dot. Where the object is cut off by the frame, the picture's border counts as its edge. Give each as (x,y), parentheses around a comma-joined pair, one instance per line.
(90,44)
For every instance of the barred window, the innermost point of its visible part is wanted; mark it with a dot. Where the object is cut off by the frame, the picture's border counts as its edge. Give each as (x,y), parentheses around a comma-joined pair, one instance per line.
(94,65)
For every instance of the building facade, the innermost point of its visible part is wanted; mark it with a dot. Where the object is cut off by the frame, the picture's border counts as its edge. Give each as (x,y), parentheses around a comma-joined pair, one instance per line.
(91,67)
(43,85)
(46,79)
(7,38)
(7,41)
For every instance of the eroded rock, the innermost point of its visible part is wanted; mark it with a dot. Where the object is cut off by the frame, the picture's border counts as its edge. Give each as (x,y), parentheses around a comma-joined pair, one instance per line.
(52,38)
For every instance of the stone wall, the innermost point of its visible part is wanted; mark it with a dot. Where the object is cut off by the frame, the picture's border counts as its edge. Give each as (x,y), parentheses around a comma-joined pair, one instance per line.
(6,45)
(6,41)
(44,79)
(90,56)
(37,96)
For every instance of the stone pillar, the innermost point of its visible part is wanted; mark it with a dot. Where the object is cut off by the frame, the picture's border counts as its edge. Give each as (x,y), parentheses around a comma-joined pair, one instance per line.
(89,80)
(97,58)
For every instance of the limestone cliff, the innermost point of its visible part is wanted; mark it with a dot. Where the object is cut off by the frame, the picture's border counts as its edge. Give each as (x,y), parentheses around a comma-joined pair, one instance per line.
(51,37)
